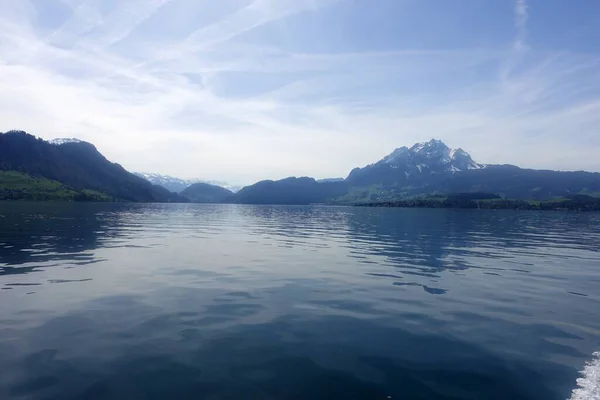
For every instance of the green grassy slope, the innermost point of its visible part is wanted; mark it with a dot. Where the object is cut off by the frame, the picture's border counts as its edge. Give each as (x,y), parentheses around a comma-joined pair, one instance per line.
(19,186)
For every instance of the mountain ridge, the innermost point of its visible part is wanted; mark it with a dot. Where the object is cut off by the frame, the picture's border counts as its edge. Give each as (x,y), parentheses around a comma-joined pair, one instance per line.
(427,168)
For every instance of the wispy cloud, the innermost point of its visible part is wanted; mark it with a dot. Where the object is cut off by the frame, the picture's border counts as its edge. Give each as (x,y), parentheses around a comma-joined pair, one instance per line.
(207,89)
(521,17)
(124,20)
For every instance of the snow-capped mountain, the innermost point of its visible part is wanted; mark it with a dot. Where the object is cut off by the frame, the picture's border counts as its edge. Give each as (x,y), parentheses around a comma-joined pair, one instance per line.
(432,156)
(414,163)
(177,185)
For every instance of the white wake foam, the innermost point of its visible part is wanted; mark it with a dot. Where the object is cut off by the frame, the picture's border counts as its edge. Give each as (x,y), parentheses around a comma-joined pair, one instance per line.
(589,383)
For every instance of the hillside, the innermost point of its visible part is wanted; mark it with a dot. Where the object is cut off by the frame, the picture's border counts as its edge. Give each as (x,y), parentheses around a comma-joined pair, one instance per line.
(20,186)
(75,164)
(205,193)
(291,191)
(517,183)
(493,202)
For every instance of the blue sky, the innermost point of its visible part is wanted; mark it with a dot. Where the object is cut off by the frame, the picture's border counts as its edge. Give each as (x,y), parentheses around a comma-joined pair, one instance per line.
(243,90)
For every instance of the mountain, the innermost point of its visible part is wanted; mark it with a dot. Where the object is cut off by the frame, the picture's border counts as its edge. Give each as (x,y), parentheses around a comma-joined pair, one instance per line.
(228,186)
(177,185)
(168,182)
(76,164)
(290,191)
(433,168)
(406,165)
(205,193)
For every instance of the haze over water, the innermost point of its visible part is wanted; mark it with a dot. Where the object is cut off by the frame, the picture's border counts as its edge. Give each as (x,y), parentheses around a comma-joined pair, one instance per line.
(149,301)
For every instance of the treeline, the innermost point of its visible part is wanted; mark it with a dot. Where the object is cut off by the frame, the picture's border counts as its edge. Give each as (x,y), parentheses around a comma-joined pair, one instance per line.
(575,203)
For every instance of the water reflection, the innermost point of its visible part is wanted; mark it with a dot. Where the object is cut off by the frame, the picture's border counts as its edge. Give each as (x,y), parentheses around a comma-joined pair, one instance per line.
(44,232)
(406,244)
(211,301)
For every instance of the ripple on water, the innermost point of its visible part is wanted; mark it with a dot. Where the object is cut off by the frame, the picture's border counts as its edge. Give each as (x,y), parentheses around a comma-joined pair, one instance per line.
(296,302)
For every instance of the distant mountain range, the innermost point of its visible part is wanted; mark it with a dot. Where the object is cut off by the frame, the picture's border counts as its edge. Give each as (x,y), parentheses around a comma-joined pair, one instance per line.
(33,168)
(429,168)
(177,185)
(168,182)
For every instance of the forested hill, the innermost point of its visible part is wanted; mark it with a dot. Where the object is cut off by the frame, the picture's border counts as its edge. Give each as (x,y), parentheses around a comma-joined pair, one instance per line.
(205,193)
(76,164)
(291,191)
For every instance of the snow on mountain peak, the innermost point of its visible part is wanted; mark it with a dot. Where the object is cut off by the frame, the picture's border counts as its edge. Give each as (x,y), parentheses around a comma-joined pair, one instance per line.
(431,156)
(432,146)
(177,185)
(396,154)
(60,141)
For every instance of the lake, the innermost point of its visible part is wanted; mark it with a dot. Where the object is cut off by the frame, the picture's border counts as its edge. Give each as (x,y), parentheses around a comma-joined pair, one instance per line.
(160,301)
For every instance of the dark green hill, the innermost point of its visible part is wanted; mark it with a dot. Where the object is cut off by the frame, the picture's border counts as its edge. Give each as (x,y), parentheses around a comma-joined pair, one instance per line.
(205,193)
(290,191)
(516,183)
(77,165)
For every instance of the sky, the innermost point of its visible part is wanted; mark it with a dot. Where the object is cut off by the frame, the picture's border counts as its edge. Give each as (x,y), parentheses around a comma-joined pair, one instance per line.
(245,90)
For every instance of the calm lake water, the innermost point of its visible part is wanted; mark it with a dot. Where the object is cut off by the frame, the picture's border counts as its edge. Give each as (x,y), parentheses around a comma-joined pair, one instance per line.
(130,301)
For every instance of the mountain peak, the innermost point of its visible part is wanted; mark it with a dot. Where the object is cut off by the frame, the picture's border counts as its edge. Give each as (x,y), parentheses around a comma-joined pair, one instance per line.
(432,145)
(433,156)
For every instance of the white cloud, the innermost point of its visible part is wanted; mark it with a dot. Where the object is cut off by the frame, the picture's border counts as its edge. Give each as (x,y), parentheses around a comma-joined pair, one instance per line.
(201,103)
